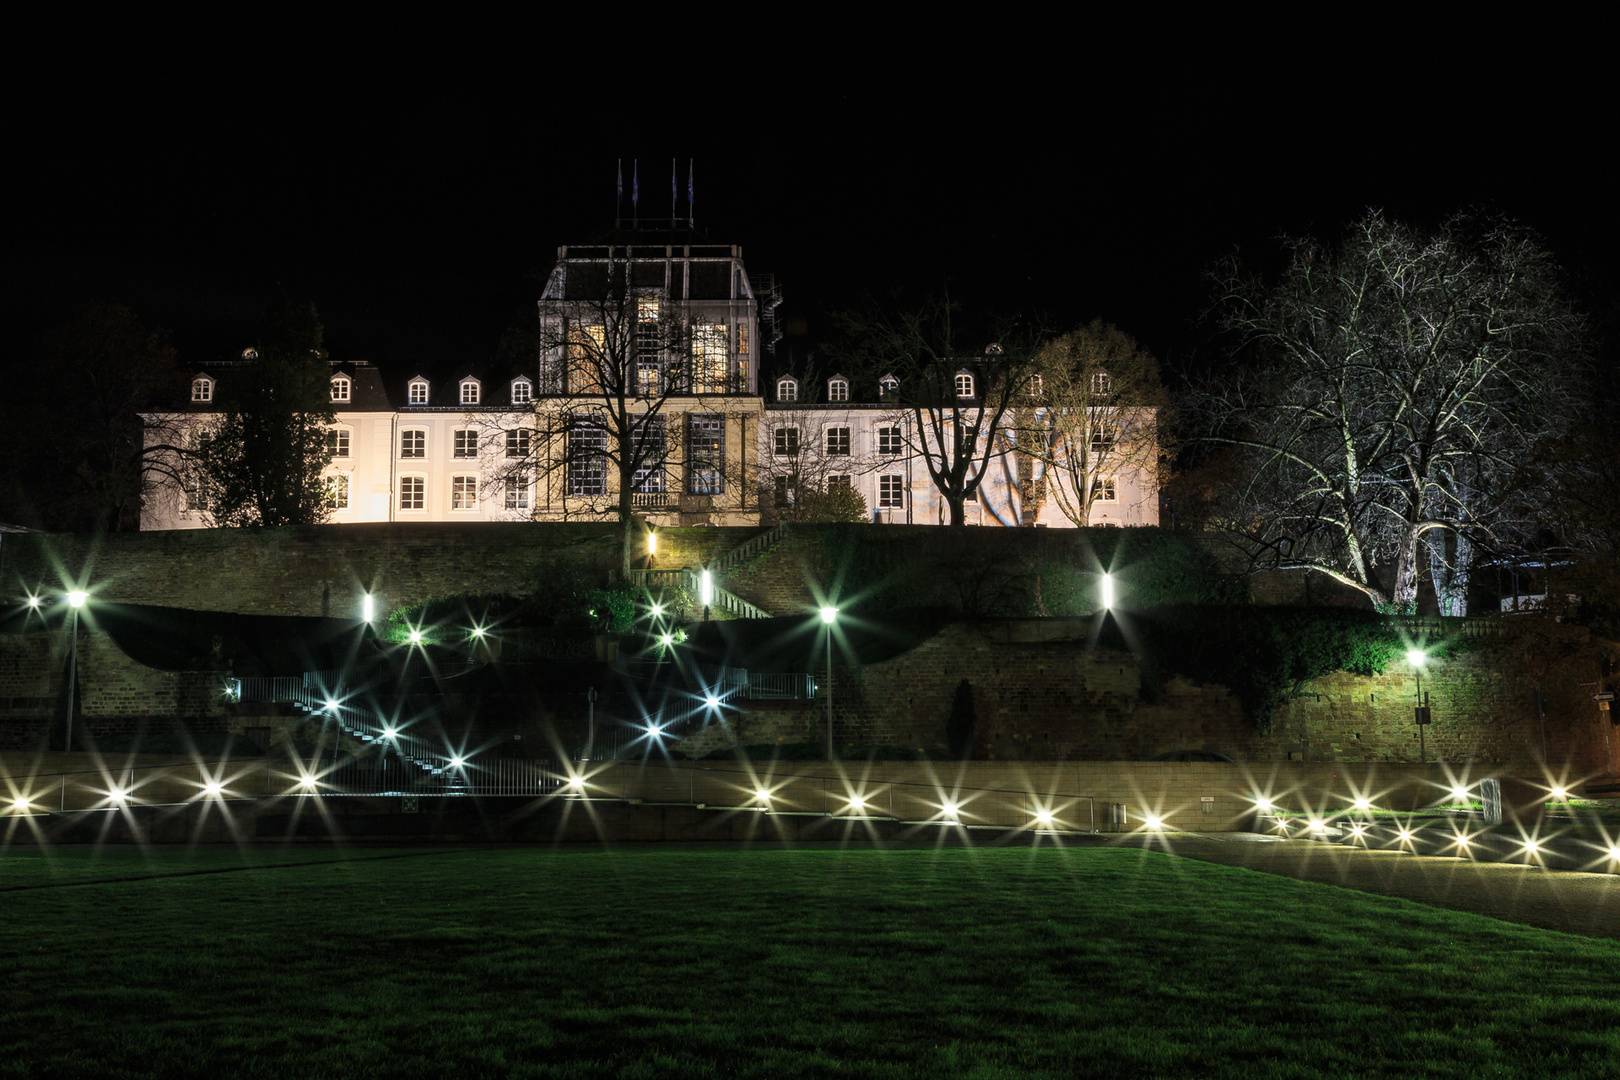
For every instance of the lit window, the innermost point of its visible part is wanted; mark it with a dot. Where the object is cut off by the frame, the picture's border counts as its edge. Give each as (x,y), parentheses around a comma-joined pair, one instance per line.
(517,492)
(837,440)
(412,492)
(787,390)
(891,492)
(711,357)
(705,454)
(587,346)
(413,443)
(1101,384)
(1036,386)
(522,391)
(418,392)
(1102,489)
(337,441)
(340,390)
(202,390)
(787,441)
(837,390)
(964,384)
(1102,437)
(466,444)
(651,448)
(587,458)
(464,493)
(517,443)
(742,339)
(888,439)
(337,492)
(888,386)
(469,391)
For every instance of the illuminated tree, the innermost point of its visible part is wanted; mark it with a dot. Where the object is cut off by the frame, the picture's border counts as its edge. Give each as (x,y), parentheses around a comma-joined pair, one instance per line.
(1383,395)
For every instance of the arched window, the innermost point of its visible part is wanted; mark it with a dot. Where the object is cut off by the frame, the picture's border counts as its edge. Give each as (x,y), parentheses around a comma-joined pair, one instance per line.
(418,393)
(1101,384)
(202,389)
(341,390)
(837,388)
(787,389)
(469,391)
(522,391)
(964,384)
(888,386)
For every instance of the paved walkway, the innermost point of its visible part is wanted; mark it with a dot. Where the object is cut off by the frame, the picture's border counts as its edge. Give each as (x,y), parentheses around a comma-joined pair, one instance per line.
(1572,902)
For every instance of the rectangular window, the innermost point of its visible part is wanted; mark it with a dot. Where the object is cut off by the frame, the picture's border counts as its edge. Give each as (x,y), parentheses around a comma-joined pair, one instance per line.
(891,491)
(705,454)
(412,492)
(522,392)
(337,441)
(1102,437)
(337,492)
(466,444)
(418,394)
(787,441)
(195,495)
(517,492)
(587,347)
(517,443)
(888,440)
(413,444)
(1102,489)
(742,339)
(784,492)
(837,441)
(587,458)
(711,358)
(1101,384)
(648,382)
(836,482)
(651,452)
(464,493)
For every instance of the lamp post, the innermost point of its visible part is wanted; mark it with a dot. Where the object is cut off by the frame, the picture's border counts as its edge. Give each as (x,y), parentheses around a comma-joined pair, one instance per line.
(75,600)
(1416,658)
(828,614)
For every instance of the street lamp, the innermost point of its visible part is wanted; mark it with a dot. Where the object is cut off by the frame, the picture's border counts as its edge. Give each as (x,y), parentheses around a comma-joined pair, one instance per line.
(75,600)
(1416,658)
(828,615)
(1108,591)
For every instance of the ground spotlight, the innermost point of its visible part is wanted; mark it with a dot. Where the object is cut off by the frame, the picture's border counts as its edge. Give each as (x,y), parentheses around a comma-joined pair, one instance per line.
(414,637)
(1532,848)
(666,640)
(577,783)
(1459,793)
(762,795)
(331,706)
(119,795)
(389,733)
(33,601)
(1043,817)
(654,730)
(857,803)
(1318,827)
(950,809)
(456,762)
(1357,830)
(1614,852)
(77,597)
(1404,834)
(657,610)
(213,788)
(712,702)
(306,781)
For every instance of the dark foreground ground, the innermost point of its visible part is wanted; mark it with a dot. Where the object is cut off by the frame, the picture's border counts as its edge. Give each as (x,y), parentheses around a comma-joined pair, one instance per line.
(657,962)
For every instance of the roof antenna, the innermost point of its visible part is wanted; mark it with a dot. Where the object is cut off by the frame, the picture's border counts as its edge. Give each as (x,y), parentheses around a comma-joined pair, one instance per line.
(618,199)
(691,220)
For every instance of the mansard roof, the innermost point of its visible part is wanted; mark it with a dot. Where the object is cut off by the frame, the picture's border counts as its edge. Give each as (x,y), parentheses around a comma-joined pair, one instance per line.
(366,392)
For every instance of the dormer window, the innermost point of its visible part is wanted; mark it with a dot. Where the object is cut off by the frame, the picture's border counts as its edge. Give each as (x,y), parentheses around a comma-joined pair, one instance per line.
(469,391)
(837,388)
(888,386)
(1036,386)
(418,392)
(964,384)
(202,389)
(522,391)
(341,389)
(787,389)
(1101,384)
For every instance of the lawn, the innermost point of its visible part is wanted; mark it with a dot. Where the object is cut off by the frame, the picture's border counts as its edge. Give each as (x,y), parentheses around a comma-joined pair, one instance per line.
(769,963)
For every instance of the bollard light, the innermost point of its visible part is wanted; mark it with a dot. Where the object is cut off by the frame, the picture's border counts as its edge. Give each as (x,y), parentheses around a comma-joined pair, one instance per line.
(77,597)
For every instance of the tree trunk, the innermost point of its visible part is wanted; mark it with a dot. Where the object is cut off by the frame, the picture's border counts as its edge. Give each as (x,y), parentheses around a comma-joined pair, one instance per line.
(627,528)
(958,513)
(1403,588)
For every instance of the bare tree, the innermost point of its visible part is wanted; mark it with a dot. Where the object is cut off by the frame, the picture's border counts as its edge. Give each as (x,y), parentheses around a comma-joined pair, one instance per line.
(1094,410)
(956,398)
(1384,393)
(806,454)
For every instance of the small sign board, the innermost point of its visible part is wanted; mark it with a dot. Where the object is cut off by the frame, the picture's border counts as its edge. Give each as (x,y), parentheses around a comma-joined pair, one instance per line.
(1603,695)
(1423,715)
(1206,803)
(409,805)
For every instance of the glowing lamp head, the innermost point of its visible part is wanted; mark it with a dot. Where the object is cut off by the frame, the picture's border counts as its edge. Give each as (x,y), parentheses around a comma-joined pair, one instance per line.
(477,631)
(652,542)
(1462,841)
(331,706)
(1416,657)
(1614,852)
(1043,817)
(657,610)
(1263,803)
(1108,591)
(306,781)
(666,640)
(414,637)
(1560,794)
(1363,804)
(1459,793)
(706,589)
(77,597)
(119,795)
(389,733)
(951,809)
(33,601)
(857,803)
(1404,834)
(762,795)
(1318,827)
(828,614)
(576,782)
(654,730)
(1357,830)
(368,608)
(456,762)
(212,788)
(1531,847)
(20,803)
(712,702)
(1153,821)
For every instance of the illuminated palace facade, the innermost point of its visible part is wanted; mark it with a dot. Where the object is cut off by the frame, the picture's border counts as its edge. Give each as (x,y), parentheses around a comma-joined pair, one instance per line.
(691,334)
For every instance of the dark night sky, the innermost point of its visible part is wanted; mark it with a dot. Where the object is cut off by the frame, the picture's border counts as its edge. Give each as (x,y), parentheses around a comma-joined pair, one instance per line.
(412,183)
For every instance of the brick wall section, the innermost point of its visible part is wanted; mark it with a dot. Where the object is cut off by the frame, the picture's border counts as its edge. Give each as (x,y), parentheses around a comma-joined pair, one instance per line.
(1058,700)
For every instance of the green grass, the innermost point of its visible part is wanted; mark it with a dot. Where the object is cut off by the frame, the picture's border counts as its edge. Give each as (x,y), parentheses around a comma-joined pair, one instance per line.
(773,963)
